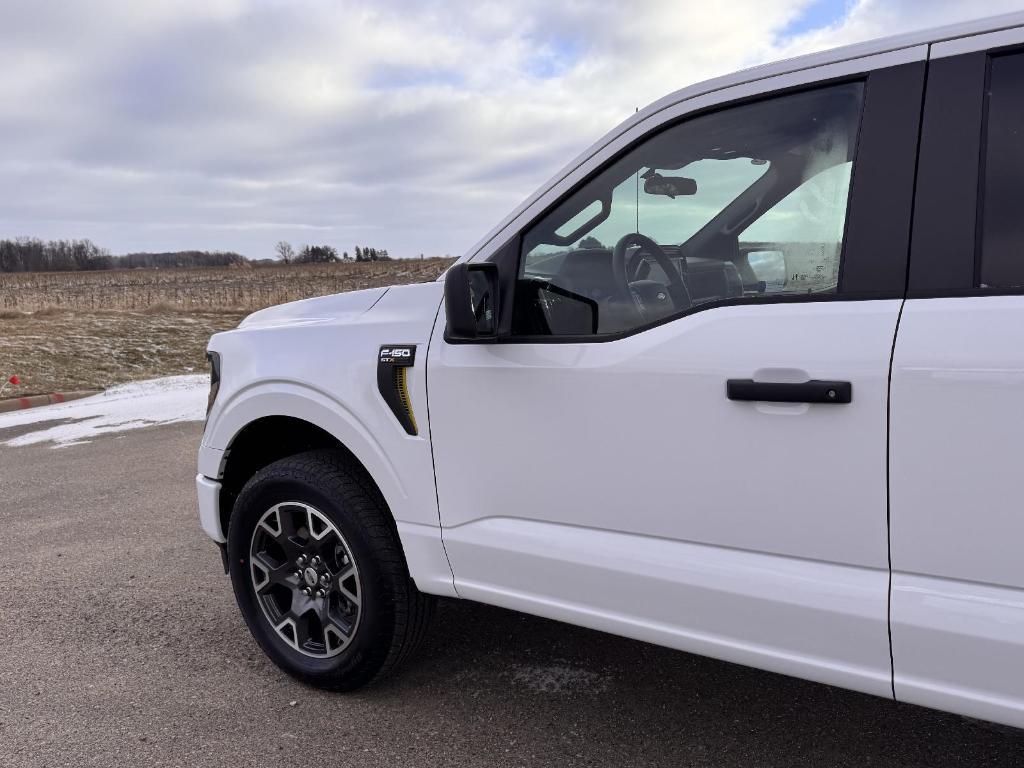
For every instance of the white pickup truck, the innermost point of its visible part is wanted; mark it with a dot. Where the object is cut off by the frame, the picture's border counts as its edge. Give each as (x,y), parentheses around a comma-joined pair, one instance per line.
(745,379)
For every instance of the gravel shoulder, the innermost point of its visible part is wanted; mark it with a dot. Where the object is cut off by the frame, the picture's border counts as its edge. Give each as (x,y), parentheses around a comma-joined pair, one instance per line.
(122,647)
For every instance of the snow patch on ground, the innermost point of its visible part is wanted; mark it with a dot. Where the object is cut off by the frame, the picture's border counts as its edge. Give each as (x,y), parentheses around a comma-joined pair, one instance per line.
(126,406)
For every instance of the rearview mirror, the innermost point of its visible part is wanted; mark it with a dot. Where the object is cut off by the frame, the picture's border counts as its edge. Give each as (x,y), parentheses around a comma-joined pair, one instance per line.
(672,186)
(471,294)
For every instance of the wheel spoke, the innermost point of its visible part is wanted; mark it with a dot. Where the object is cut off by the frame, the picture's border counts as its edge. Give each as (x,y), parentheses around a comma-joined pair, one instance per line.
(267,573)
(288,536)
(302,633)
(298,615)
(337,633)
(326,546)
(271,523)
(287,629)
(343,581)
(319,528)
(289,514)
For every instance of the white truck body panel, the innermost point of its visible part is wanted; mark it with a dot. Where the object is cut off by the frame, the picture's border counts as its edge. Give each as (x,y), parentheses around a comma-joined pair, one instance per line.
(707,487)
(315,360)
(957,523)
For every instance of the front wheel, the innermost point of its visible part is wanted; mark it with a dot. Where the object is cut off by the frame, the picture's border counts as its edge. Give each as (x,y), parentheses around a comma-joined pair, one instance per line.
(319,574)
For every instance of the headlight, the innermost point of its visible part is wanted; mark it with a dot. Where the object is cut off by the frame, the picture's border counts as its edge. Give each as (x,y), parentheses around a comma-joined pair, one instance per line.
(214,359)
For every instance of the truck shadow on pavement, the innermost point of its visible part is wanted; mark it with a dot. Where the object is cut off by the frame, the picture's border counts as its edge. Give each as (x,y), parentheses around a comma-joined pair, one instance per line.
(592,698)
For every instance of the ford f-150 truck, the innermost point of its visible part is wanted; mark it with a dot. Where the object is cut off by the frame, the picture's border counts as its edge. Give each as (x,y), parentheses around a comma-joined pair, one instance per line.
(745,379)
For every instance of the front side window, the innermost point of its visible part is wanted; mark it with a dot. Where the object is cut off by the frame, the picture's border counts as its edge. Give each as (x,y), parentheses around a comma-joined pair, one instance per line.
(749,201)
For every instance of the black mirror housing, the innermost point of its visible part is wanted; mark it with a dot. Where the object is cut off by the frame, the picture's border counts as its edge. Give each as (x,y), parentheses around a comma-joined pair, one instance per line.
(471,300)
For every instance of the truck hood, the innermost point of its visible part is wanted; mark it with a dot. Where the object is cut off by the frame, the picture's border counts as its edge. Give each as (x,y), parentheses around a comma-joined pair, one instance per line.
(338,306)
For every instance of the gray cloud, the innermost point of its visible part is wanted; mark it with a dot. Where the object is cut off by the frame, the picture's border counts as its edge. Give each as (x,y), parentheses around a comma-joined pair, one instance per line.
(412,126)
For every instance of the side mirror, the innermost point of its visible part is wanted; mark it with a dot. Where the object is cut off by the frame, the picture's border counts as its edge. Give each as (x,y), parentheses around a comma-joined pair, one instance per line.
(769,268)
(471,293)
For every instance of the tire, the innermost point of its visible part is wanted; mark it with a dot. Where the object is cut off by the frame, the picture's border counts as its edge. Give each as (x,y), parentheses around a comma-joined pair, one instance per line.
(350,614)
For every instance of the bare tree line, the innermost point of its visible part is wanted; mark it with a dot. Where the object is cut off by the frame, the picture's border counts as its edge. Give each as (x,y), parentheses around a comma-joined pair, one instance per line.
(179,260)
(30,254)
(324,254)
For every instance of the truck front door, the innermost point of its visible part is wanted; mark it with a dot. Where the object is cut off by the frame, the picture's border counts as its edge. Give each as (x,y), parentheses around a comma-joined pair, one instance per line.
(681,435)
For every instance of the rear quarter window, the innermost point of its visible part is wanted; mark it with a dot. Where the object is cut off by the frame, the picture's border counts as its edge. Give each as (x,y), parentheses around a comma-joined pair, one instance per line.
(1001,231)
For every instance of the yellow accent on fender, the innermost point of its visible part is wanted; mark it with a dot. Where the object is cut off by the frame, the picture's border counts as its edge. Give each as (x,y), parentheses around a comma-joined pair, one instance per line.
(402,387)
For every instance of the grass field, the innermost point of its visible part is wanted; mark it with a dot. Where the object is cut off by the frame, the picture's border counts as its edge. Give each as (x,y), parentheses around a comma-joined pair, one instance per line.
(89,330)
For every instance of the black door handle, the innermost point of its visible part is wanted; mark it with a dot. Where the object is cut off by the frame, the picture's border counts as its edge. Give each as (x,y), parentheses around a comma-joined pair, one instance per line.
(813,391)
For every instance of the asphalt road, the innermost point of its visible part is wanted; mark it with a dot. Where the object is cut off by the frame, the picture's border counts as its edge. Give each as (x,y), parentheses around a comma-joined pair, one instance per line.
(120,645)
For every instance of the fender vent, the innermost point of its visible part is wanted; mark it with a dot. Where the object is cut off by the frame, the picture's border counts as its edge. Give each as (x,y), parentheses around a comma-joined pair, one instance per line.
(402,387)
(393,364)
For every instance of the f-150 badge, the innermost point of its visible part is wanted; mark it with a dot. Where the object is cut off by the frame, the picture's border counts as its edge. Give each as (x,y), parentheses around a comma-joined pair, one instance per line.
(393,364)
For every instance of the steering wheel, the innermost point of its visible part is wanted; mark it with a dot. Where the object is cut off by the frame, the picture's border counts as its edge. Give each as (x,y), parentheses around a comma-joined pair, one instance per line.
(651,299)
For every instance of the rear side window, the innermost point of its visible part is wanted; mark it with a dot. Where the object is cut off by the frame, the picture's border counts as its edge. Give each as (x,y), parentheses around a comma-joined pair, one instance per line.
(1001,234)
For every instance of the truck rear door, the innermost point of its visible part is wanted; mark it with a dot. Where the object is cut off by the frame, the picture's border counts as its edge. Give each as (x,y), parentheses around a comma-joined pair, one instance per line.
(957,394)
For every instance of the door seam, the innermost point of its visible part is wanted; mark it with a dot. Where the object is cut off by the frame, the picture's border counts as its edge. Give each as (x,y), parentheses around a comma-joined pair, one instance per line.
(892,360)
(430,439)
(888,495)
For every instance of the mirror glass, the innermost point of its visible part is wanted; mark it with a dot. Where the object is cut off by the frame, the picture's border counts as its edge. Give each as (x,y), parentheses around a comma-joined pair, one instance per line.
(482,300)
(770,268)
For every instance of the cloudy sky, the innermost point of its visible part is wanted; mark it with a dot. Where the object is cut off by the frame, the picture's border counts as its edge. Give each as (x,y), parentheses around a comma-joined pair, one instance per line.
(411,126)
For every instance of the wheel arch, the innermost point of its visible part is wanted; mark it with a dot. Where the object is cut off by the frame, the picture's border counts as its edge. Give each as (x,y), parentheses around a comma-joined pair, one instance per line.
(267,421)
(265,440)
(289,417)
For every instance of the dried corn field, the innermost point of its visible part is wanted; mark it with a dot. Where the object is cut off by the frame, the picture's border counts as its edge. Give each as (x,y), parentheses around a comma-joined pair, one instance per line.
(86,330)
(58,350)
(211,289)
